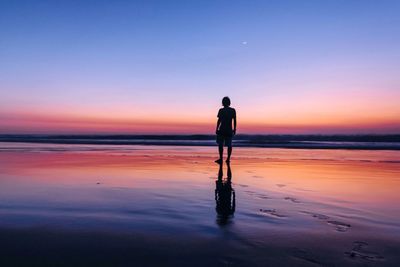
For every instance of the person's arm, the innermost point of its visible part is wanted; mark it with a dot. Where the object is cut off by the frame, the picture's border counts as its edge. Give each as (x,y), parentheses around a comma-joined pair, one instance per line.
(234,123)
(218,123)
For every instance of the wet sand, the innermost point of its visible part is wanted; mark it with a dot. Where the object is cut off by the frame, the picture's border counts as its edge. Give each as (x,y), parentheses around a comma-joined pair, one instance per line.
(94,205)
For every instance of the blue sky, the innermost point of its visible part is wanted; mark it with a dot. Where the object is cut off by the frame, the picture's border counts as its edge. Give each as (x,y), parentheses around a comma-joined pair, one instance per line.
(280,61)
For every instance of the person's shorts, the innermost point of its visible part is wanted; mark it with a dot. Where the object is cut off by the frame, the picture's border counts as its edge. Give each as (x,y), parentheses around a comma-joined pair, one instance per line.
(224,140)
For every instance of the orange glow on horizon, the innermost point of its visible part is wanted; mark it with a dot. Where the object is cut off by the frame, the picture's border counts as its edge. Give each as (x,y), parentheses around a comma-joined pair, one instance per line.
(67,123)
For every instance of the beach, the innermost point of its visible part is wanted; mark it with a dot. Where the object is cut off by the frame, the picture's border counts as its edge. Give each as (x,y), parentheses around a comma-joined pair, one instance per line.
(138,205)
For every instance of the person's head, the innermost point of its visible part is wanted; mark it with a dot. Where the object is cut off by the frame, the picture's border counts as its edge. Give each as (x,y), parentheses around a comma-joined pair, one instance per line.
(226,102)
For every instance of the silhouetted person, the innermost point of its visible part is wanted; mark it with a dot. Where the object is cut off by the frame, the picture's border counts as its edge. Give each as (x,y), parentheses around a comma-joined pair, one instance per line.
(225,132)
(224,197)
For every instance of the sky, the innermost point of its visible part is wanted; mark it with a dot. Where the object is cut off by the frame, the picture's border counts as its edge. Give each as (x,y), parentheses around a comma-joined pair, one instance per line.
(291,67)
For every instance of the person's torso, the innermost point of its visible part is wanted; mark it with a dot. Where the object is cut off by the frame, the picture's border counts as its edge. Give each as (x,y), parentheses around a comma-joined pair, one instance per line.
(226,117)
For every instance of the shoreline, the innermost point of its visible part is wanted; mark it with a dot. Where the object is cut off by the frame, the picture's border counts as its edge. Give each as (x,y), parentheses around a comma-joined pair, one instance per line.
(364,142)
(288,146)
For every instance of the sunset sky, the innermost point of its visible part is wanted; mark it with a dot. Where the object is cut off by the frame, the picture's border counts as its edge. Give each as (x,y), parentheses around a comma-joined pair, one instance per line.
(164,66)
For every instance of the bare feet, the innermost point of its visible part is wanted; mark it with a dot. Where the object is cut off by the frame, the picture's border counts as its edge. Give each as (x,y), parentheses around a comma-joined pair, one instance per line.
(219,161)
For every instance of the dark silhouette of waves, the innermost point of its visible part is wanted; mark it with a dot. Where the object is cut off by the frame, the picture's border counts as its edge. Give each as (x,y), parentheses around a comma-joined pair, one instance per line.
(373,142)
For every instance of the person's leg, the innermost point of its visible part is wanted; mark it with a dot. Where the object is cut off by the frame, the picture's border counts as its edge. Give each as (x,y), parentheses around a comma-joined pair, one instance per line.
(221,152)
(229,145)
(229,154)
(220,143)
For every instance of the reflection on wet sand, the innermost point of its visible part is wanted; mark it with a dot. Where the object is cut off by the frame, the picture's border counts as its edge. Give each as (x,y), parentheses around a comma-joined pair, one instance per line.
(154,206)
(224,196)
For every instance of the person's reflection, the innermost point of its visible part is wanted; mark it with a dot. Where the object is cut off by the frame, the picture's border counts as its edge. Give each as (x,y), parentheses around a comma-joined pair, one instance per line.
(224,196)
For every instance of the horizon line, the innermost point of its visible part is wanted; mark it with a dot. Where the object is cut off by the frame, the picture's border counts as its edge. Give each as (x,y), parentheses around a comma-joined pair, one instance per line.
(197,134)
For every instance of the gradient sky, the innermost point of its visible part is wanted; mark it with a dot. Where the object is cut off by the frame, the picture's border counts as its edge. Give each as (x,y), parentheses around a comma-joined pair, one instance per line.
(163,66)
